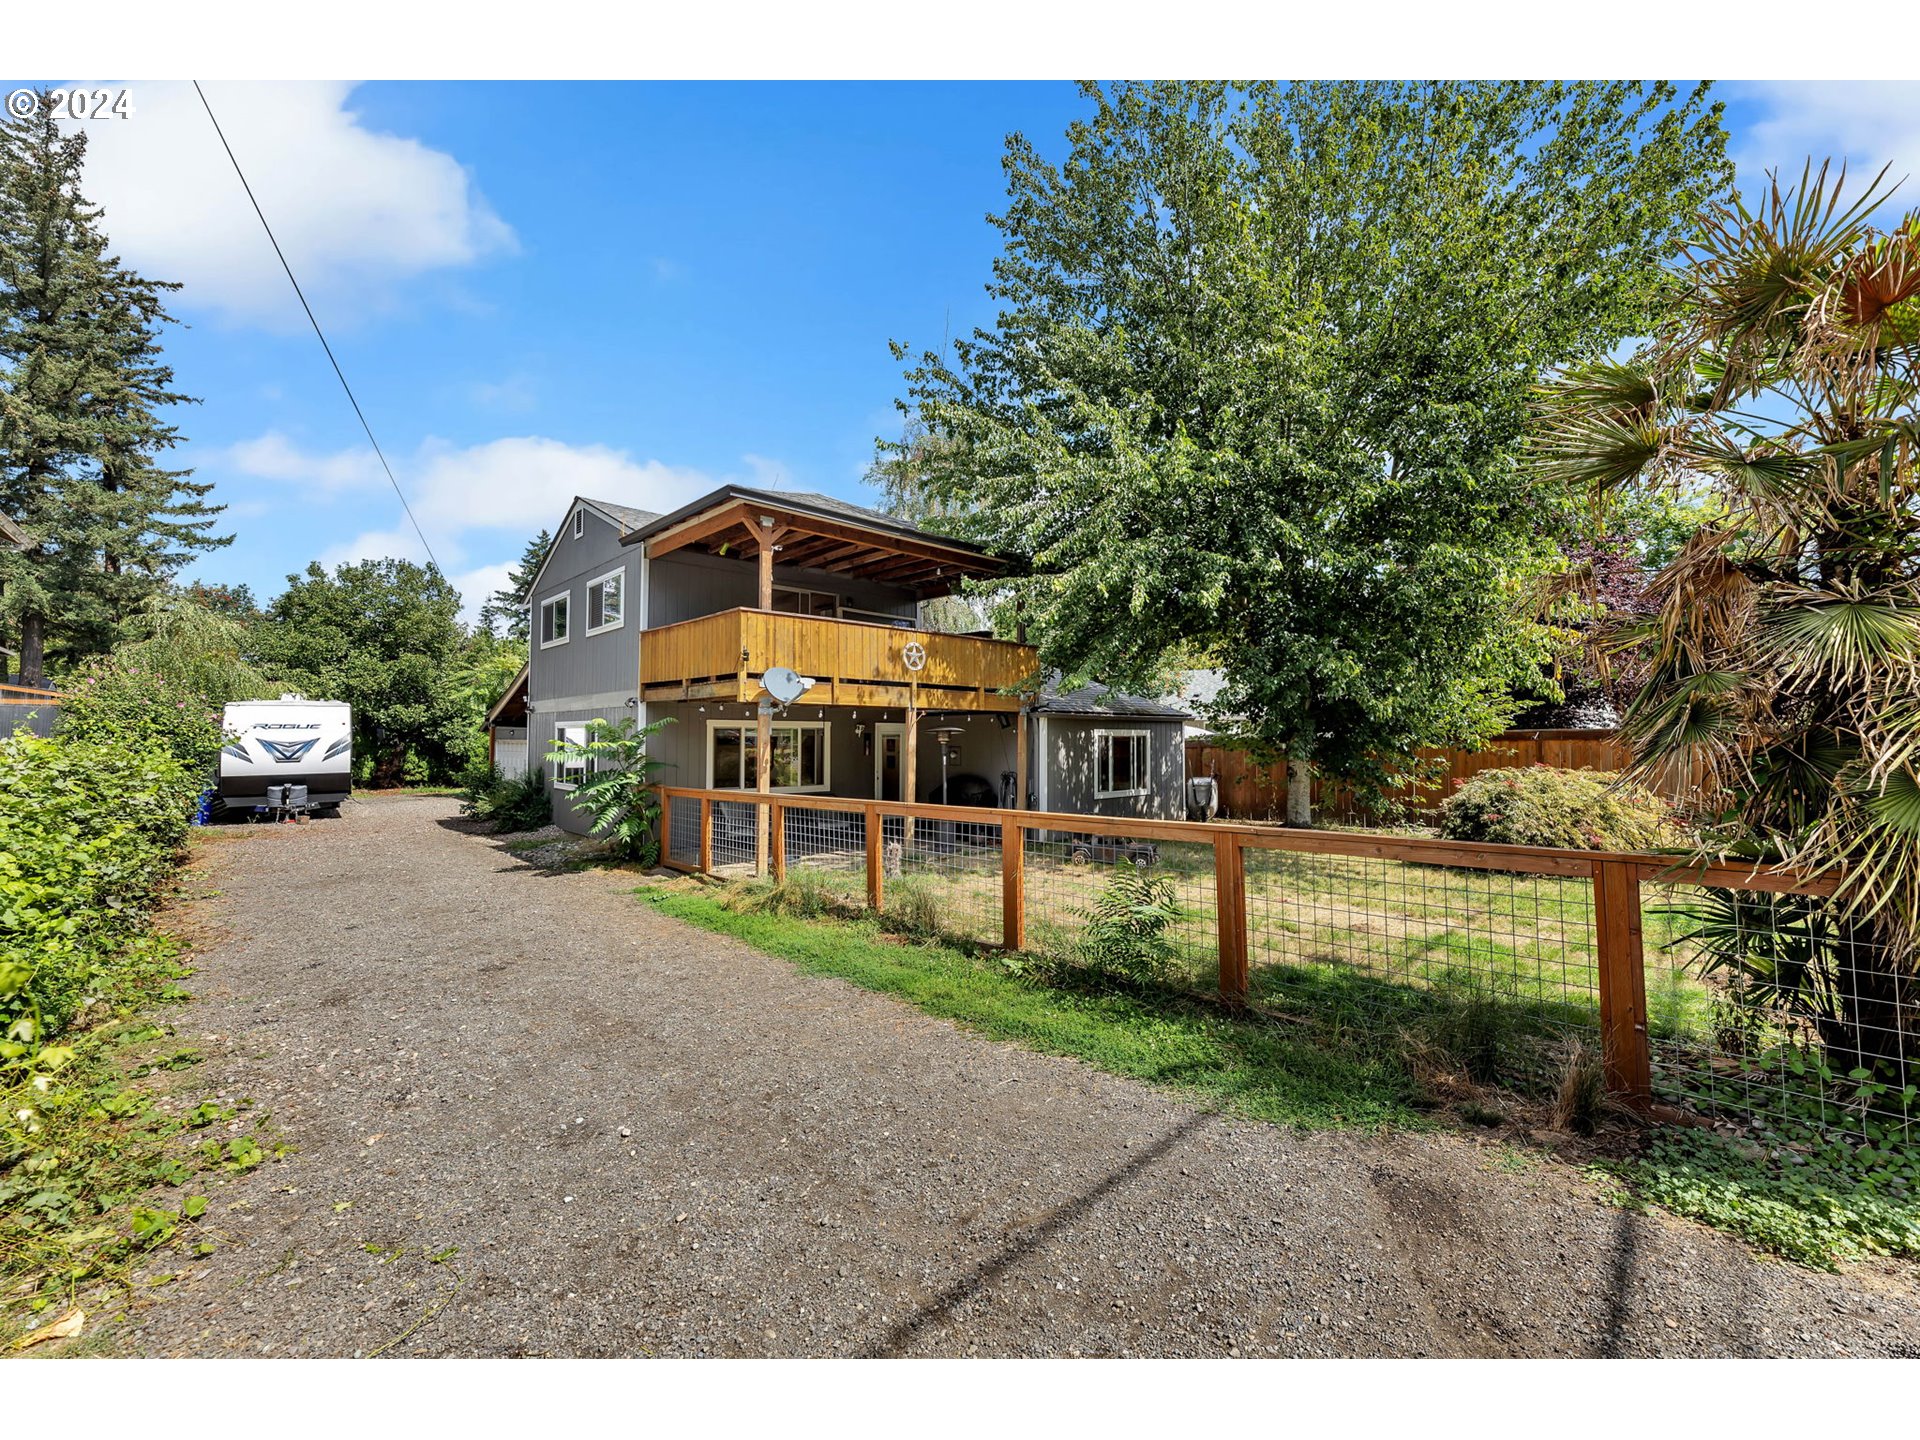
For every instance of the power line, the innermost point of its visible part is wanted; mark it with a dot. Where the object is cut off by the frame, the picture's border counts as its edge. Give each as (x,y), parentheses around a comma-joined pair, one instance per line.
(315,323)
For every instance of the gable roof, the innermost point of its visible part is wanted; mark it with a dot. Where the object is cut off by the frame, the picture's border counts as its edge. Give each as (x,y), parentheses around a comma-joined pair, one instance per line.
(625,517)
(516,692)
(818,532)
(1097,699)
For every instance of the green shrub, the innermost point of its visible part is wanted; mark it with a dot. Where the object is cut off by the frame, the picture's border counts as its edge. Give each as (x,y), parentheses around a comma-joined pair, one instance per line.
(1126,931)
(1564,809)
(617,791)
(88,832)
(506,802)
(110,703)
(912,906)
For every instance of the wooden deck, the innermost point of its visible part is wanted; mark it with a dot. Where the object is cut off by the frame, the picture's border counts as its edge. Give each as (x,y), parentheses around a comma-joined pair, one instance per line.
(723,656)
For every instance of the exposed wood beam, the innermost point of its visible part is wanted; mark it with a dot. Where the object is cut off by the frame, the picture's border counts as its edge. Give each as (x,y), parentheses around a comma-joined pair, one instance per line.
(697,529)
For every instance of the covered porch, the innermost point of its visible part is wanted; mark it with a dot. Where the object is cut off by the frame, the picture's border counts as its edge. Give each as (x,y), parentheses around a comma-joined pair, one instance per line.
(828,753)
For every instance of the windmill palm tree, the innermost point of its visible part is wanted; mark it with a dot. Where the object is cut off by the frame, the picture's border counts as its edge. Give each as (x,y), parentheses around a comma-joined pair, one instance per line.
(1784,642)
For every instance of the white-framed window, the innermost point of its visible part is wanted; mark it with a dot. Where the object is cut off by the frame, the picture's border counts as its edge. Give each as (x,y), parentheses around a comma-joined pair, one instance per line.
(800,759)
(1119,763)
(570,769)
(606,602)
(553,620)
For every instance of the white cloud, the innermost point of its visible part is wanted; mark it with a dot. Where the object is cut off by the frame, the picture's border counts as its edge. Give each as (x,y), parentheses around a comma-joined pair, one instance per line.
(476,585)
(273,456)
(516,393)
(480,501)
(1866,123)
(357,212)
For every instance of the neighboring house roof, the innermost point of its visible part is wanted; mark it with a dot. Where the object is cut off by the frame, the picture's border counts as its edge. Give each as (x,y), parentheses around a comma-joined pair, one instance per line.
(13,534)
(1198,688)
(1098,699)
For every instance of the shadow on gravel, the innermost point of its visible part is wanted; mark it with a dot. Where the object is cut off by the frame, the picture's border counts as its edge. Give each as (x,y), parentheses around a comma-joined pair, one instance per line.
(1626,1260)
(991,1269)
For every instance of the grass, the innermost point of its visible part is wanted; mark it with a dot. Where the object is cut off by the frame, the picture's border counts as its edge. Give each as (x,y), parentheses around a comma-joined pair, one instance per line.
(1260,1069)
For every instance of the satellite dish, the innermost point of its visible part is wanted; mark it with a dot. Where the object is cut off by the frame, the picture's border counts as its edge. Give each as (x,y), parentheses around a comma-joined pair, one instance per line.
(785,685)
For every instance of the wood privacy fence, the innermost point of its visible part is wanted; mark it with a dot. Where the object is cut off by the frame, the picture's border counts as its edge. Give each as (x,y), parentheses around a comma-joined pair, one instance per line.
(991,859)
(23,706)
(1250,790)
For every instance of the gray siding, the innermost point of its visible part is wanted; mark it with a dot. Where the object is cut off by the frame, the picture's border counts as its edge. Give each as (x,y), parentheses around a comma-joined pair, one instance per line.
(542,726)
(1069,759)
(588,664)
(986,749)
(686,586)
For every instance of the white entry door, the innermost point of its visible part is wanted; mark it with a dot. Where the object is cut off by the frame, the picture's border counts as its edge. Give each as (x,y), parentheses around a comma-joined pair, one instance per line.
(889,761)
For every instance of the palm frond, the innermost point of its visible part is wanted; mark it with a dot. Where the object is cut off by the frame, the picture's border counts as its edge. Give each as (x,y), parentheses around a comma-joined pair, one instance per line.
(1848,637)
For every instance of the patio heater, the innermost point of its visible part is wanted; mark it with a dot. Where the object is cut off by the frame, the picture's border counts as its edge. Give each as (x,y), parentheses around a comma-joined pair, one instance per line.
(949,738)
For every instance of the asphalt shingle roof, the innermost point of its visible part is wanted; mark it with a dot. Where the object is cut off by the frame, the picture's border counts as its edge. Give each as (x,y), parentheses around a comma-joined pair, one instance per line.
(1098,699)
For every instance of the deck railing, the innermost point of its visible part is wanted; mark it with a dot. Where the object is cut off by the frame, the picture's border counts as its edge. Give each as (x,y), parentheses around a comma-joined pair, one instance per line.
(1295,919)
(853,662)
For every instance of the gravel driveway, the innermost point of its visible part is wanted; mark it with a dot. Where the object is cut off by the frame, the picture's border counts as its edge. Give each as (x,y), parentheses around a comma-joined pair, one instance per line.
(532,1117)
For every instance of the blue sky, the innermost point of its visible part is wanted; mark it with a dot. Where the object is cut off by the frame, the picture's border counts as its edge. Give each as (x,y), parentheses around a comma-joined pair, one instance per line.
(632,291)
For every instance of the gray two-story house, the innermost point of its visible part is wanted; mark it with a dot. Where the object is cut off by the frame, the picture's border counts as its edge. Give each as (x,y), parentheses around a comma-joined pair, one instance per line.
(680,616)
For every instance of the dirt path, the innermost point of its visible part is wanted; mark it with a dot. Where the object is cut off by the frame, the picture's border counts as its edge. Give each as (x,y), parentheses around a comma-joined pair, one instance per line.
(639,1138)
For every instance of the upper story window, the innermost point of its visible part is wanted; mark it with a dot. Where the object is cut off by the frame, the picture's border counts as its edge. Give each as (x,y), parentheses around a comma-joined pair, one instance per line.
(606,602)
(579,523)
(553,621)
(1119,763)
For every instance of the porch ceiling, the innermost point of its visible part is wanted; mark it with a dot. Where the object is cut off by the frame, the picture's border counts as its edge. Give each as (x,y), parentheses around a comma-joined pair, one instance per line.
(839,546)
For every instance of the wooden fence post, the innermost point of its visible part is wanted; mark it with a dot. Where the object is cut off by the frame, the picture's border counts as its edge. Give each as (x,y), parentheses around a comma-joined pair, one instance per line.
(1623,982)
(666,827)
(706,836)
(1013,883)
(777,840)
(874,888)
(1230,902)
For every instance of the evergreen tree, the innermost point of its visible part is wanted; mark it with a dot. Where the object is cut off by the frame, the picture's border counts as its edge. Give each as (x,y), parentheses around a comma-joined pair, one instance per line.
(512,604)
(83,389)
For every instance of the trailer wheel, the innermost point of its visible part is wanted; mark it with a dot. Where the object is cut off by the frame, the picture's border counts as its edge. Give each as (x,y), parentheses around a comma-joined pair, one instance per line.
(1080,853)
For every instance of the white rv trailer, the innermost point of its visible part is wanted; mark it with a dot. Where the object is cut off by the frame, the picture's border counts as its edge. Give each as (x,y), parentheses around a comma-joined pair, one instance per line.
(286,742)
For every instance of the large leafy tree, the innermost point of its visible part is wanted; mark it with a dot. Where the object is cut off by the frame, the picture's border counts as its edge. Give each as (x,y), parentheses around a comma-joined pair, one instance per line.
(1260,377)
(384,636)
(510,607)
(1783,643)
(83,395)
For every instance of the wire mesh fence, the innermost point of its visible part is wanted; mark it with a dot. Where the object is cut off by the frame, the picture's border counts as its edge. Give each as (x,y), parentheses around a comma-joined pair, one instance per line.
(1112,900)
(1390,946)
(1744,1006)
(828,848)
(1789,1020)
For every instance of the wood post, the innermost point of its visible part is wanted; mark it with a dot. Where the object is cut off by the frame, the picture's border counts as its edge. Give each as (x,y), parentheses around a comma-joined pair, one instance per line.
(1020,761)
(766,534)
(909,784)
(706,836)
(763,768)
(874,887)
(777,823)
(1623,982)
(1013,884)
(1230,903)
(666,827)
